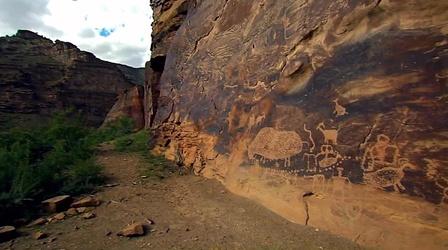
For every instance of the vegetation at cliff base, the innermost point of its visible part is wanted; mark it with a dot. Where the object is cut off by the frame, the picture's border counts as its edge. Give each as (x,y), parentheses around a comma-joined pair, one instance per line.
(51,159)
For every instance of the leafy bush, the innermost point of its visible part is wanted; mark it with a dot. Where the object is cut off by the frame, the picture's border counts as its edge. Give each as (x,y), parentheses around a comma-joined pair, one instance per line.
(50,159)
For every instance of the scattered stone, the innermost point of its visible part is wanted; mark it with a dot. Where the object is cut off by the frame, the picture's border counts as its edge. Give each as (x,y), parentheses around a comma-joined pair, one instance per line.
(59,216)
(71,212)
(86,202)
(52,239)
(223,192)
(112,185)
(108,233)
(88,215)
(7,233)
(38,222)
(58,203)
(81,210)
(76,228)
(39,235)
(187,229)
(317,229)
(150,222)
(144,176)
(136,229)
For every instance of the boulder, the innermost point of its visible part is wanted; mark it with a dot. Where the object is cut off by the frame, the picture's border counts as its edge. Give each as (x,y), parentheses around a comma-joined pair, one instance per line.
(59,216)
(133,230)
(57,204)
(71,212)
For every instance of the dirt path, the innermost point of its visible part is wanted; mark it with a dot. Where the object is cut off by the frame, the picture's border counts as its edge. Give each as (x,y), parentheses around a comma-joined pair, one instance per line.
(189,213)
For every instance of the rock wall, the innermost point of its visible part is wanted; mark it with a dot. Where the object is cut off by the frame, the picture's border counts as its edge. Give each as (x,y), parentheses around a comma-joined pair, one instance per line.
(39,76)
(331,113)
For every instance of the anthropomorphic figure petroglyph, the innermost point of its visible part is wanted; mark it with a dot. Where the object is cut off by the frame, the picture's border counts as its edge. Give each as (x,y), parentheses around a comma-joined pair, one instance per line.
(382,154)
(340,183)
(339,110)
(389,176)
(327,156)
(330,135)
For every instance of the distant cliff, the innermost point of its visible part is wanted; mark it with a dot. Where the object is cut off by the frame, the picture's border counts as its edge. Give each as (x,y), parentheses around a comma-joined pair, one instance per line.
(331,113)
(39,76)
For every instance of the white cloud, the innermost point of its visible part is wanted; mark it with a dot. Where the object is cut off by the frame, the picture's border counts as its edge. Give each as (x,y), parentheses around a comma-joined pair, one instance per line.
(80,22)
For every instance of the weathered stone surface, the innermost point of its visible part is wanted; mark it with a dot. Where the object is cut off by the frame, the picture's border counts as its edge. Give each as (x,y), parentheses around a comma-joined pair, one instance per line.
(59,216)
(344,99)
(58,203)
(39,76)
(129,104)
(88,201)
(71,212)
(136,229)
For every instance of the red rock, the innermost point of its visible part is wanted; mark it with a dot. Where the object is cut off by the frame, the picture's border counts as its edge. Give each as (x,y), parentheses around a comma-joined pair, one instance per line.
(88,215)
(59,216)
(39,235)
(38,222)
(86,202)
(136,229)
(71,212)
(58,203)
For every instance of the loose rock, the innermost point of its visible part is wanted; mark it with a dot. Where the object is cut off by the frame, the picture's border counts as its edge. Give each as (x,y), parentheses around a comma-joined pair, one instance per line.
(136,229)
(86,202)
(59,216)
(39,235)
(58,203)
(71,212)
(88,215)
(81,210)
(7,233)
(38,222)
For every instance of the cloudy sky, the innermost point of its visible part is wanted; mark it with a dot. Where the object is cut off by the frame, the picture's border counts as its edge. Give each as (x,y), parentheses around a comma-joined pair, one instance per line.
(114,30)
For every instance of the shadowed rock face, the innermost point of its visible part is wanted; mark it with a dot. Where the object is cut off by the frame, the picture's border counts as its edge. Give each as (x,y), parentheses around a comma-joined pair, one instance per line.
(38,76)
(346,100)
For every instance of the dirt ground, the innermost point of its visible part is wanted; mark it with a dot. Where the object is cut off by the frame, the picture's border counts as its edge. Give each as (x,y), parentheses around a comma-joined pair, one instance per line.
(189,213)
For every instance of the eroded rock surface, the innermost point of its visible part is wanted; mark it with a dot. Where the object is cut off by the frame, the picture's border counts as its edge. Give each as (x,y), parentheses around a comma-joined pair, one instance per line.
(344,100)
(39,76)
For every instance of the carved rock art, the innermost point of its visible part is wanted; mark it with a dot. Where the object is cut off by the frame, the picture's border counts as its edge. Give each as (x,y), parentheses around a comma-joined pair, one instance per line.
(330,135)
(382,154)
(389,176)
(273,144)
(339,110)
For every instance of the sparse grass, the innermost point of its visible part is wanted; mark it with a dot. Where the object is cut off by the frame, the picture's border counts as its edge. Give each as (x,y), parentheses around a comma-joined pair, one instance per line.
(154,166)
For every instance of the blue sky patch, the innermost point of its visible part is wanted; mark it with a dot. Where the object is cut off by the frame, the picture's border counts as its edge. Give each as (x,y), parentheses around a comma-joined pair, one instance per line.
(104,32)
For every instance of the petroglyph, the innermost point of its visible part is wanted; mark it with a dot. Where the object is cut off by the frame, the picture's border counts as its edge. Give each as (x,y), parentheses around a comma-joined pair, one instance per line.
(433,174)
(310,136)
(313,166)
(339,110)
(330,135)
(382,154)
(389,176)
(340,184)
(327,156)
(273,144)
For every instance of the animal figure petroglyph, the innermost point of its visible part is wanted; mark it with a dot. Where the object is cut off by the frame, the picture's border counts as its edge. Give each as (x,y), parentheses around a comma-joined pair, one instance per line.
(330,135)
(382,154)
(339,110)
(389,176)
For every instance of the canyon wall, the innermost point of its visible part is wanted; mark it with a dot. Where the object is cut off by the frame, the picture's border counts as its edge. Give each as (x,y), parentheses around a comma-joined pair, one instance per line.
(40,77)
(331,113)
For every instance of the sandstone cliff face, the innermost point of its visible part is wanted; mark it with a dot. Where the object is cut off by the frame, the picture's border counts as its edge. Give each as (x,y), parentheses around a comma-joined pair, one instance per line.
(331,113)
(38,76)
